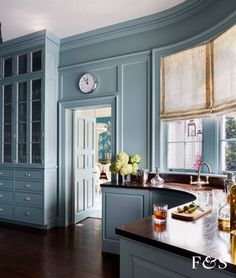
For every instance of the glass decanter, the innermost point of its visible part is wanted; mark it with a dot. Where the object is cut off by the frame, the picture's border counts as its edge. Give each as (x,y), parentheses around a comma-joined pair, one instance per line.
(224,216)
(157,180)
(224,211)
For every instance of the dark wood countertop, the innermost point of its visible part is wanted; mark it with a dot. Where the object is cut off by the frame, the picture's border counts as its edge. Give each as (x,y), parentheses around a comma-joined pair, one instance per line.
(165,186)
(199,237)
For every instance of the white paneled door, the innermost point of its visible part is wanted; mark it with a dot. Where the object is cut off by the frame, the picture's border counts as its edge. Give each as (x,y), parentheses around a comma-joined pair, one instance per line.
(83,164)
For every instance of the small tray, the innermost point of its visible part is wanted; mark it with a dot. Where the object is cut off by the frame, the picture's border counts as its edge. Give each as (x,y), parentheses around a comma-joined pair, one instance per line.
(190,216)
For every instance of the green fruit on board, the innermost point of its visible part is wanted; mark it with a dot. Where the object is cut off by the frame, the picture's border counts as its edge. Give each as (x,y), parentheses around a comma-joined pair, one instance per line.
(192,209)
(185,208)
(180,210)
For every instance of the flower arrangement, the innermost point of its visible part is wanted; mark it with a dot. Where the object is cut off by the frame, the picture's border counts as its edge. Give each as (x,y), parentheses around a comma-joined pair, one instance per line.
(197,162)
(125,164)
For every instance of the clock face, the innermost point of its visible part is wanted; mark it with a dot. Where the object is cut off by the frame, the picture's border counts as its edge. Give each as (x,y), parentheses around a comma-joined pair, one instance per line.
(87,83)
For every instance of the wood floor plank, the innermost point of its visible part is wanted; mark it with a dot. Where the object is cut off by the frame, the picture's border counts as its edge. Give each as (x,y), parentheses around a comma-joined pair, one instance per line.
(70,252)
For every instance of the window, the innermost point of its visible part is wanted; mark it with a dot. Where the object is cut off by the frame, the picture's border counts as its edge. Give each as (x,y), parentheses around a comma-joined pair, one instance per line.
(184,144)
(196,83)
(228,143)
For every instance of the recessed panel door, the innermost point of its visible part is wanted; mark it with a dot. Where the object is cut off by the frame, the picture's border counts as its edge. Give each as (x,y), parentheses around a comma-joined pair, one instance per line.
(83,164)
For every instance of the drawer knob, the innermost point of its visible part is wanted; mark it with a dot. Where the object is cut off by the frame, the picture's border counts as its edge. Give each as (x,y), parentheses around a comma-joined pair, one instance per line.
(1,173)
(1,209)
(1,183)
(27,174)
(27,213)
(1,195)
(27,186)
(27,198)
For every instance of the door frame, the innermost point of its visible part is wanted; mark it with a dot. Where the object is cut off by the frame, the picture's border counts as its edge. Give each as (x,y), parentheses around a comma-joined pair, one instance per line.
(65,172)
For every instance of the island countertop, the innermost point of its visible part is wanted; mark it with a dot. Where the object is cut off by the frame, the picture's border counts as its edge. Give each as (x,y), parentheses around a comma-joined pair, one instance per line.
(200,237)
(164,186)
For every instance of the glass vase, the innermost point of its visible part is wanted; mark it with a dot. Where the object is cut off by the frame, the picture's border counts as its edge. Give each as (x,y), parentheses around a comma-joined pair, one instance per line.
(125,179)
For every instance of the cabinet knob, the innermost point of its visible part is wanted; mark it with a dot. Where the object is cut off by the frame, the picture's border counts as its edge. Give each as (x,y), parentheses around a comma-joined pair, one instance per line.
(27,174)
(27,198)
(27,213)
(1,183)
(1,209)
(1,173)
(1,196)
(27,186)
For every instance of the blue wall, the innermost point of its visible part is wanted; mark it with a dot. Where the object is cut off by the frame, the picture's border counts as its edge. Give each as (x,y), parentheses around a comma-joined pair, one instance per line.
(125,59)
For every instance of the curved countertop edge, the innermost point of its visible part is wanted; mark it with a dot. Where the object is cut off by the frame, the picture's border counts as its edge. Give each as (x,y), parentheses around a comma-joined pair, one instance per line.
(140,231)
(166,186)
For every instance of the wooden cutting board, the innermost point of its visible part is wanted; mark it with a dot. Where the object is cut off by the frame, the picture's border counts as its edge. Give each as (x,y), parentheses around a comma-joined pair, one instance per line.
(190,216)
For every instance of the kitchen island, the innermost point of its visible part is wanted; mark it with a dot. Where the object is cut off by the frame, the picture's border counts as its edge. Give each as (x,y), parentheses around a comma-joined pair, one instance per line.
(123,204)
(150,250)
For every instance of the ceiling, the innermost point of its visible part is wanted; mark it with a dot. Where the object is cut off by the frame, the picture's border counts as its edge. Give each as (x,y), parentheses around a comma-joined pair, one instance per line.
(69,17)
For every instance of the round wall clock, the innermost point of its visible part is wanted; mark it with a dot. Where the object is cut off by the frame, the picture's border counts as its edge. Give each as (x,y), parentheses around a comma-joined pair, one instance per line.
(87,83)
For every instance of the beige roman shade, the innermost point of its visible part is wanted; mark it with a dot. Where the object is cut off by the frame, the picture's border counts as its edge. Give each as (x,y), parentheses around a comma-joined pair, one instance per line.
(224,72)
(200,81)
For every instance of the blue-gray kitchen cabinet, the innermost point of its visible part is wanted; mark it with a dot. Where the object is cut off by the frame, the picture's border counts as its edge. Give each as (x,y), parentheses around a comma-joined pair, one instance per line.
(28,151)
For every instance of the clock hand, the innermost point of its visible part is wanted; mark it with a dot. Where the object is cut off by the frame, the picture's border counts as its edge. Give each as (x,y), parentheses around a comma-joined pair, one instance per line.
(86,80)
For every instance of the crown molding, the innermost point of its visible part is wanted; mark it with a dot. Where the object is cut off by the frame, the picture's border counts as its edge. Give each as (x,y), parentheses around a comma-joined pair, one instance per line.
(35,39)
(131,27)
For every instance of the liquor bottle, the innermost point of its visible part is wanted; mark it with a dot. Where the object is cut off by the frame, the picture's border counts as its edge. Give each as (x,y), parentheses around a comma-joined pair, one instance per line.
(233,209)
(157,180)
(224,211)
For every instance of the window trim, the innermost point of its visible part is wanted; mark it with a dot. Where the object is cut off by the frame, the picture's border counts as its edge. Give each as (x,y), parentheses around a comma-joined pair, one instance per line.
(211,146)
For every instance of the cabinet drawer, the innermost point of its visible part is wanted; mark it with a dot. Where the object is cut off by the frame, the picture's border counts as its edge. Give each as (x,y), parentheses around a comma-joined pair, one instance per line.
(6,173)
(29,174)
(28,185)
(29,199)
(6,183)
(6,210)
(5,196)
(29,214)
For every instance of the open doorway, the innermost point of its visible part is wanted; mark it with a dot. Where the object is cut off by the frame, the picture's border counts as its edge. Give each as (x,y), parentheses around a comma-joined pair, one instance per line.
(92,151)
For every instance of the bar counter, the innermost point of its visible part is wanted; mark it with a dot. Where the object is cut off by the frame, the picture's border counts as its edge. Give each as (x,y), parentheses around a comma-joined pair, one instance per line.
(196,238)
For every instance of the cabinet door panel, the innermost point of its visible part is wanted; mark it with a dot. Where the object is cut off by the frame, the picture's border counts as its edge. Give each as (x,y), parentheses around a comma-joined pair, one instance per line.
(8,67)
(29,199)
(6,196)
(6,210)
(6,173)
(22,64)
(6,183)
(28,185)
(29,174)
(29,214)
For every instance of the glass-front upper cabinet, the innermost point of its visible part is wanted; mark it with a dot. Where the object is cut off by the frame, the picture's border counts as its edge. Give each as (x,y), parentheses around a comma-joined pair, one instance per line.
(36,133)
(22,122)
(36,60)
(7,123)
(21,102)
(22,64)
(8,67)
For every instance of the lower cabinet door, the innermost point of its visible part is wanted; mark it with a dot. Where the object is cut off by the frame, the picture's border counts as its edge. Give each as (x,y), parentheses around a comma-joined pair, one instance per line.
(29,199)
(29,214)
(6,210)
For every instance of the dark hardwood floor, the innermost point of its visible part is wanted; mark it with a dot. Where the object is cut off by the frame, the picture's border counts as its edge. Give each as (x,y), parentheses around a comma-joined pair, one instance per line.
(74,251)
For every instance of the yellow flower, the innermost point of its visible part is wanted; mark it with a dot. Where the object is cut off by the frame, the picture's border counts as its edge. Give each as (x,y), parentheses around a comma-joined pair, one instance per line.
(135,158)
(112,167)
(134,168)
(123,157)
(126,169)
(118,165)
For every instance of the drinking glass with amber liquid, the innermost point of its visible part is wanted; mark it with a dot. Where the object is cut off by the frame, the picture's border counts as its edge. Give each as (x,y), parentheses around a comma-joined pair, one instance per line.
(160,212)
